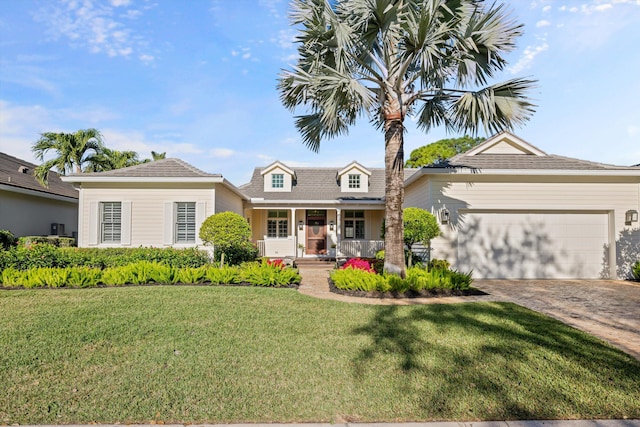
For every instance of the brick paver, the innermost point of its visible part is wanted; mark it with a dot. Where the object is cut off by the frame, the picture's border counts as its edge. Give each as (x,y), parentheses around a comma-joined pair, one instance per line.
(608,309)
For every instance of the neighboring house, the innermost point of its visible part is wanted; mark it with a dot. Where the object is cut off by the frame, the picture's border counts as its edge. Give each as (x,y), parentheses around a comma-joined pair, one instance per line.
(509,210)
(161,203)
(29,209)
(506,209)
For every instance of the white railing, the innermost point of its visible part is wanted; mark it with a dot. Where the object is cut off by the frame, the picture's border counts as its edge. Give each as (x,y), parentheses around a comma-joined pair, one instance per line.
(277,248)
(261,249)
(360,248)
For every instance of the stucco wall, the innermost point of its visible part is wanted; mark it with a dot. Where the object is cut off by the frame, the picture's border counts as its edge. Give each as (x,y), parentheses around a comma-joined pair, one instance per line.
(26,215)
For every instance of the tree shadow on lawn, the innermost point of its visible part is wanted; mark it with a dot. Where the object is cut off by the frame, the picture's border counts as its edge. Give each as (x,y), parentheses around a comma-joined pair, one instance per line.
(498,361)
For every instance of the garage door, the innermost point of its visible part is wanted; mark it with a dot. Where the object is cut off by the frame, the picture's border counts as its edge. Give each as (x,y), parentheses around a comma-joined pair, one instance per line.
(533,245)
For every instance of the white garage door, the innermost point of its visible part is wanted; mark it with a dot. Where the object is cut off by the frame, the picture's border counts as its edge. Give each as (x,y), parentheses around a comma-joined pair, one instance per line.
(533,245)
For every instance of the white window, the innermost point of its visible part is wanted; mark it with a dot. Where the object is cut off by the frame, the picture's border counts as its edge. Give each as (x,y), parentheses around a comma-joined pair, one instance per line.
(354,181)
(277,180)
(185,222)
(277,224)
(354,225)
(110,222)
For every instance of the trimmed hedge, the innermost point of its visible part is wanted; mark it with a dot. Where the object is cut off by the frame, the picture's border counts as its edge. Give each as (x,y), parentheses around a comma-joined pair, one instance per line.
(146,272)
(42,255)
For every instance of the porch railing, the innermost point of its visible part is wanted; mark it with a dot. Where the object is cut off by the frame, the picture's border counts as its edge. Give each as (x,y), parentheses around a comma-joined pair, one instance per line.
(360,248)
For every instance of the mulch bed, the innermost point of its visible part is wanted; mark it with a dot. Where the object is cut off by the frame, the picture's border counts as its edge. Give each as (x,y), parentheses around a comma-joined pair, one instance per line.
(425,293)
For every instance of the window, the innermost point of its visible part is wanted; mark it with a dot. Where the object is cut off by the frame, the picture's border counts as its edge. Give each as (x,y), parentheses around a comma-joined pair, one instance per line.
(354,225)
(277,180)
(110,222)
(185,222)
(354,181)
(277,224)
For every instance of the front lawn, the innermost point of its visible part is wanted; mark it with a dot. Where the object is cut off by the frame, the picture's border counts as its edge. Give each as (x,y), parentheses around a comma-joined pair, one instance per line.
(222,355)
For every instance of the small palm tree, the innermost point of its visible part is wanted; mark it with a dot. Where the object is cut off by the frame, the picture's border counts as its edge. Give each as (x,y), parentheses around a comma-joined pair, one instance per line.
(389,59)
(73,151)
(158,156)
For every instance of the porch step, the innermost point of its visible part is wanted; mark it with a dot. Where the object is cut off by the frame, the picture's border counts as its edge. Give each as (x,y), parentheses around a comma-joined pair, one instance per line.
(315,262)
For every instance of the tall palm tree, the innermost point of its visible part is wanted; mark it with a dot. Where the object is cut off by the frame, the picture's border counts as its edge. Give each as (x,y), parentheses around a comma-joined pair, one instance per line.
(389,59)
(73,152)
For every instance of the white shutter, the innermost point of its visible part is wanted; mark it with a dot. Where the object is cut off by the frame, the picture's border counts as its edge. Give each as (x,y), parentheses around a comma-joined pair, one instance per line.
(201,215)
(125,236)
(167,229)
(94,223)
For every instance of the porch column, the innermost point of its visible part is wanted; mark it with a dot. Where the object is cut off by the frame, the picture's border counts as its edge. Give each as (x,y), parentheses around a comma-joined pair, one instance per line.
(338,231)
(294,232)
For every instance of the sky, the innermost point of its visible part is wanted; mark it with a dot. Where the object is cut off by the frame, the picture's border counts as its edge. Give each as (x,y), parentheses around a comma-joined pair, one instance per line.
(197,79)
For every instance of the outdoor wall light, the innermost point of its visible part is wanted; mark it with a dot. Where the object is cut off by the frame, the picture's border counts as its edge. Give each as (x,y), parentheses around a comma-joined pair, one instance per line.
(300,225)
(630,216)
(444,216)
(332,225)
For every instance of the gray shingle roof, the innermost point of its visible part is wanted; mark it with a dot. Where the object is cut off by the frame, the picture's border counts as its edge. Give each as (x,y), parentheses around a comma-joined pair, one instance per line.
(522,161)
(11,175)
(315,184)
(165,168)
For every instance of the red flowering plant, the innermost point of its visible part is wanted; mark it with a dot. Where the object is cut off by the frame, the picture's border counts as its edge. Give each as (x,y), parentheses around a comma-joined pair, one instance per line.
(358,264)
(276,263)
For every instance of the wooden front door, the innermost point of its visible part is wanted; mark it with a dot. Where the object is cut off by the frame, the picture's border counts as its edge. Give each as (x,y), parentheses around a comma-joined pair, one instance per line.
(316,232)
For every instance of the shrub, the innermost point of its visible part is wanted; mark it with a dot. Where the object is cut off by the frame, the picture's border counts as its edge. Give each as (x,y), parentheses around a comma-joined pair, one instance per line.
(264,274)
(57,241)
(439,264)
(358,264)
(7,240)
(358,280)
(229,233)
(635,269)
(222,276)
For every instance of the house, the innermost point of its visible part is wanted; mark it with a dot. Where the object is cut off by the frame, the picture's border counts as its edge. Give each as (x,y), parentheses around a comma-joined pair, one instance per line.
(506,209)
(29,209)
(509,210)
(161,203)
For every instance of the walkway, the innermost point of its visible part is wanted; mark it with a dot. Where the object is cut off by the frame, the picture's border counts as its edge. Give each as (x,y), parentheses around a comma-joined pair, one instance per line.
(608,309)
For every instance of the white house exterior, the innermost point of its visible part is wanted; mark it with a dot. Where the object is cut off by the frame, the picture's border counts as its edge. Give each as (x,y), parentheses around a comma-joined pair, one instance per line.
(516,212)
(29,209)
(161,204)
(506,209)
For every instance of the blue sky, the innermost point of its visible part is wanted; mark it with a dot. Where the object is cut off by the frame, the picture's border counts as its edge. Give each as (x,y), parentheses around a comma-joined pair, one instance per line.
(197,79)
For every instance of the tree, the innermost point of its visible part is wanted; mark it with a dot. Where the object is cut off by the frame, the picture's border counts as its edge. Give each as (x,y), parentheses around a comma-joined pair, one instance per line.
(158,156)
(108,159)
(389,59)
(73,152)
(420,226)
(439,151)
(229,233)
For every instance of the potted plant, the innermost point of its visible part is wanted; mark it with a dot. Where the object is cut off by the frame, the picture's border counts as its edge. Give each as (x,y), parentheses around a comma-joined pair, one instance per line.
(300,249)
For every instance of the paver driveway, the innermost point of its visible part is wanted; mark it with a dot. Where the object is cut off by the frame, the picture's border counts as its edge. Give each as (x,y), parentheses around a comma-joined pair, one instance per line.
(607,309)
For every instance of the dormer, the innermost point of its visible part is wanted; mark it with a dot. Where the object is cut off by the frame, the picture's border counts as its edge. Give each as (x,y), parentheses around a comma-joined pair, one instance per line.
(505,143)
(354,178)
(278,178)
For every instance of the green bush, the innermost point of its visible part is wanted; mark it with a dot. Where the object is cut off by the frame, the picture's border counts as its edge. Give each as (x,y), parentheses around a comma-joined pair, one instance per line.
(439,264)
(635,269)
(225,275)
(265,274)
(57,241)
(7,240)
(46,255)
(417,279)
(229,234)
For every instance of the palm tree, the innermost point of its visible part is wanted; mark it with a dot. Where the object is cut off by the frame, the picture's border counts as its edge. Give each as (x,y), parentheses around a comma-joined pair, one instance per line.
(108,159)
(158,156)
(389,59)
(73,152)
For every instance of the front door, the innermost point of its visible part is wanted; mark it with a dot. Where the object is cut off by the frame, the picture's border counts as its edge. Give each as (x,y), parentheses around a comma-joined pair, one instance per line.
(316,232)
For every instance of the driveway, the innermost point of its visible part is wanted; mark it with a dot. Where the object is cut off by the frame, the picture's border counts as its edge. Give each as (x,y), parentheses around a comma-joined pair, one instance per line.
(608,309)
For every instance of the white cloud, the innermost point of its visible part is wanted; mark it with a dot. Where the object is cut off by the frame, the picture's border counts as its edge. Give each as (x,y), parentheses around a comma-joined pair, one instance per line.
(92,25)
(528,57)
(633,130)
(221,152)
(543,23)
(546,8)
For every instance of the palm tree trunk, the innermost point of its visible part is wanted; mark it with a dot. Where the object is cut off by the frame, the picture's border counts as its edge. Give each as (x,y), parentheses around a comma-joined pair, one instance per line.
(394,197)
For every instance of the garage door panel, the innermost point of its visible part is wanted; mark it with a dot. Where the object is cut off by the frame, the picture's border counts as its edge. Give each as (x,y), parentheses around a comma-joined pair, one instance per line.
(532,245)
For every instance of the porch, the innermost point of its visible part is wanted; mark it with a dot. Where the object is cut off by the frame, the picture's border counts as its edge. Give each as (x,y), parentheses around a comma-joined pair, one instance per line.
(345,249)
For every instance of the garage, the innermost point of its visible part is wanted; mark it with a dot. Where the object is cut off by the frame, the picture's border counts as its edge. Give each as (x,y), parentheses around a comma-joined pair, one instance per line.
(533,245)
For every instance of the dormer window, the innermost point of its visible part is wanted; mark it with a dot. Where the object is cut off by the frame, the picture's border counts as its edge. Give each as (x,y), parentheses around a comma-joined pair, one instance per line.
(277,180)
(354,181)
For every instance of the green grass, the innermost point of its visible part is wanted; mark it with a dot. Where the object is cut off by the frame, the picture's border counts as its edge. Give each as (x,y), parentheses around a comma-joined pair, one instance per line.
(219,354)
